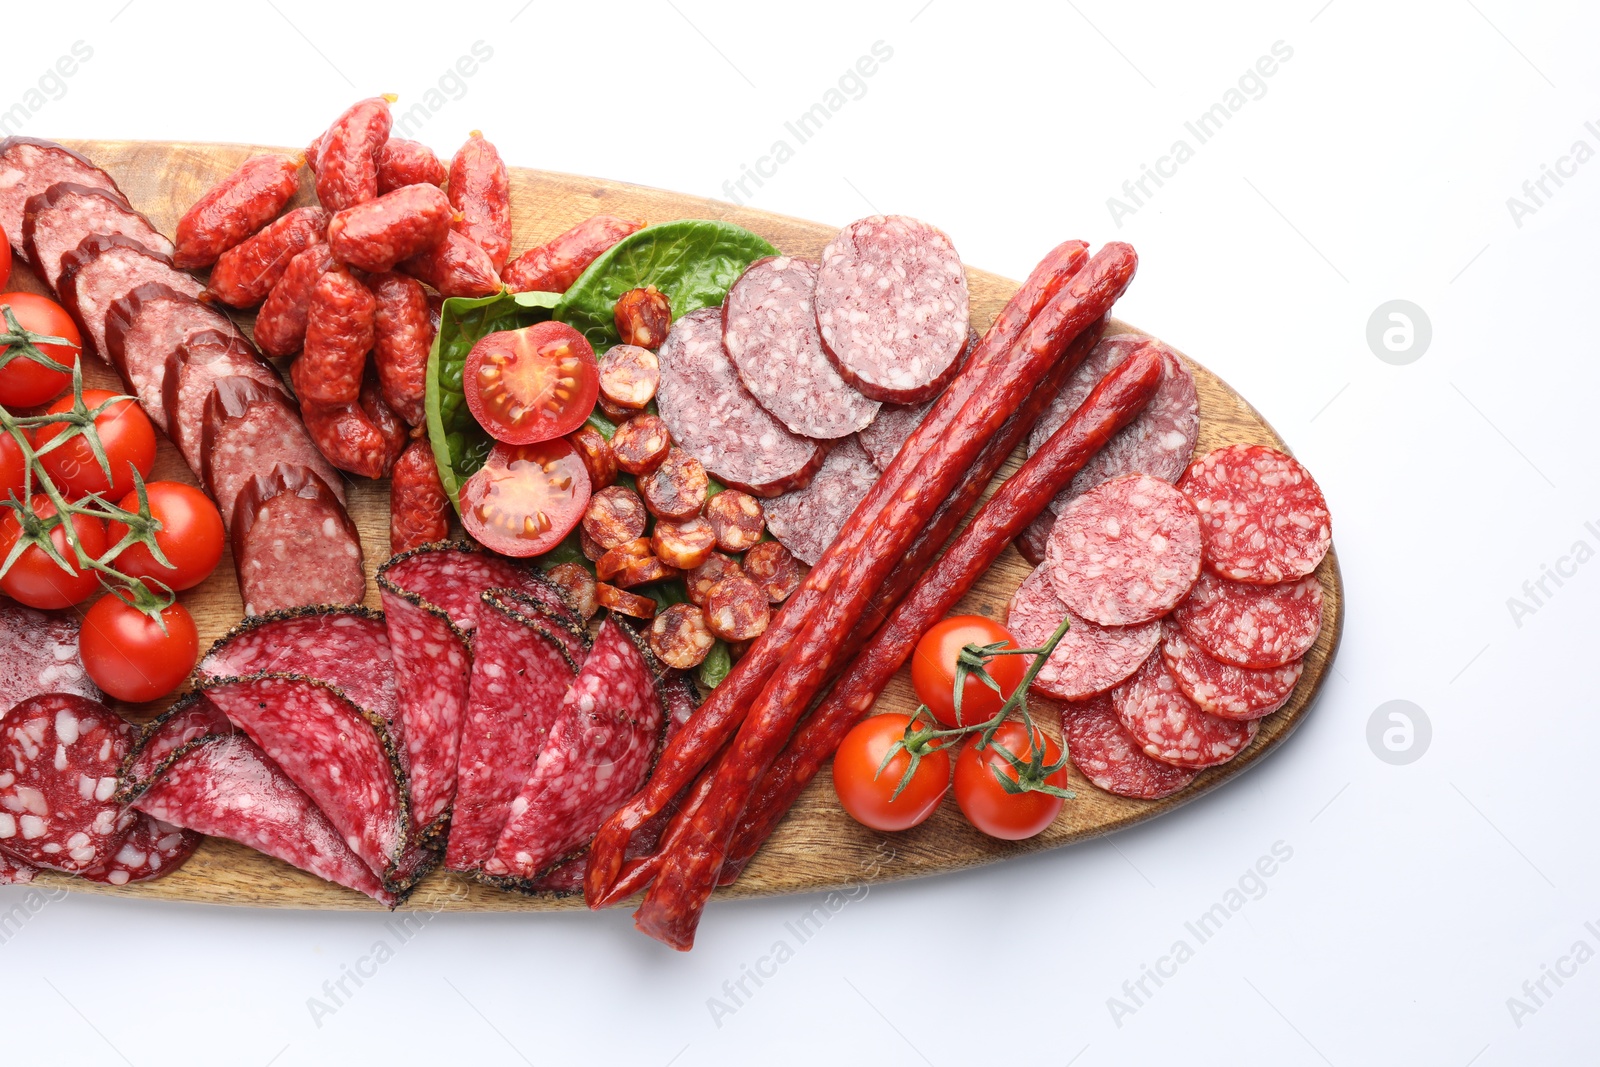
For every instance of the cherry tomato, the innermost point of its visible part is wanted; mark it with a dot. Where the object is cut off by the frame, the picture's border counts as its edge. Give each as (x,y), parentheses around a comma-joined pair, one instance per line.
(5,259)
(984,801)
(126,653)
(24,383)
(866,794)
(933,670)
(533,384)
(527,498)
(126,435)
(190,536)
(37,580)
(13,468)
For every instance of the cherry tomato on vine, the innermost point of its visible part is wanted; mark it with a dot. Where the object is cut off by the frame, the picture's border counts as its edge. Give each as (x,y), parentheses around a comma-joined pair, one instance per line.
(985,802)
(866,794)
(35,579)
(933,670)
(24,383)
(533,384)
(527,498)
(13,468)
(126,435)
(126,653)
(190,536)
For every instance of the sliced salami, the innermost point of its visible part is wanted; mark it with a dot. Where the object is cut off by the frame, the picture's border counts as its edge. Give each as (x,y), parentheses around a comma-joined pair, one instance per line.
(249,428)
(192,369)
(146,326)
(14,872)
(1264,517)
(104,268)
(1125,552)
(1255,626)
(1089,659)
(895,423)
(29,166)
(151,850)
(521,671)
(807,520)
(59,755)
(599,753)
(293,543)
(715,419)
(39,654)
(1220,688)
(891,300)
(1034,541)
(1111,759)
(769,328)
(56,220)
(1170,727)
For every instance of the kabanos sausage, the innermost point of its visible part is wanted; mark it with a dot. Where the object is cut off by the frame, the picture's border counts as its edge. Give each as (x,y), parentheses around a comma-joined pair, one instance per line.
(419,508)
(359,437)
(376,234)
(553,267)
(347,154)
(281,322)
(455,267)
(235,208)
(480,190)
(403,162)
(246,273)
(340,328)
(404,334)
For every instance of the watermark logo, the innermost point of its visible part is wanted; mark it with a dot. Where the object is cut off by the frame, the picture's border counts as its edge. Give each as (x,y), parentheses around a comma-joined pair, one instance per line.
(27,908)
(1537,592)
(449,86)
(1537,192)
(1399,732)
(1537,992)
(1399,332)
(50,85)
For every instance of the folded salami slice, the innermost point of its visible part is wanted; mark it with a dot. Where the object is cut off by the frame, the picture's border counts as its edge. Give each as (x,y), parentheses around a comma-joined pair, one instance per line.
(1265,518)
(249,429)
(152,849)
(59,755)
(29,166)
(894,424)
(103,269)
(1090,659)
(521,671)
(146,326)
(39,654)
(891,301)
(56,220)
(1170,727)
(769,329)
(715,419)
(806,521)
(1111,759)
(1256,626)
(599,753)
(294,544)
(193,368)
(1220,688)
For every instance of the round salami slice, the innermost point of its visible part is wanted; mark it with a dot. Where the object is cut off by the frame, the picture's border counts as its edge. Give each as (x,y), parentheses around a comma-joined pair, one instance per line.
(150,850)
(1125,552)
(891,301)
(59,756)
(192,369)
(895,423)
(103,269)
(1089,659)
(293,543)
(769,327)
(29,166)
(1170,727)
(1111,759)
(39,654)
(1220,688)
(1265,518)
(146,326)
(1255,626)
(807,520)
(249,428)
(713,417)
(56,220)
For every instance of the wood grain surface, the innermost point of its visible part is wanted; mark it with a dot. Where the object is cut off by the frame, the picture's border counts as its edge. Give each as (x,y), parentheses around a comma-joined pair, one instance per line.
(817,846)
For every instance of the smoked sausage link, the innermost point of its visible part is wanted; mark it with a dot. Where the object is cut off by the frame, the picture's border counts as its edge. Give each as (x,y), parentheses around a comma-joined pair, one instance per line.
(455,267)
(340,330)
(235,208)
(403,332)
(376,234)
(480,191)
(281,322)
(346,154)
(402,162)
(247,272)
(419,508)
(553,267)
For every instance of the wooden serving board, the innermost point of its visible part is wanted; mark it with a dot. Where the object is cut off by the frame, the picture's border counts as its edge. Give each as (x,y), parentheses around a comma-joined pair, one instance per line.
(818,846)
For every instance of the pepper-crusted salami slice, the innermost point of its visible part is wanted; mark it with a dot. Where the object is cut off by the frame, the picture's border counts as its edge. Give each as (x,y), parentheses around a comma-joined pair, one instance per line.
(769,328)
(807,520)
(193,369)
(480,192)
(891,301)
(39,654)
(235,208)
(1255,626)
(29,166)
(1111,759)
(895,422)
(1170,727)
(250,428)
(150,850)
(1089,659)
(521,671)
(59,755)
(281,323)
(58,219)
(293,543)
(1125,552)
(600,750)
(246,273)
(1264,517)
(146,326)
(1220,688)
(104,268)
(713,417)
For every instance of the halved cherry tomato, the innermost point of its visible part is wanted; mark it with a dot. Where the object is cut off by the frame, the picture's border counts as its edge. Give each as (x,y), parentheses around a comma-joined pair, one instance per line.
(190,536)
(533,384)
(24,383)
(35,579)
(126,435)
(985,802)
(126,653)
(527,498)
(13,468)
(865,792)
(933,670)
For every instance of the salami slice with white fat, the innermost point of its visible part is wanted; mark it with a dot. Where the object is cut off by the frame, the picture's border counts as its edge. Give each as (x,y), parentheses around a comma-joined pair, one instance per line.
(103,269)
(894,424)
(1264,517)
(14,872)
(1111,759)
(151,850)
(521,671)
(1033,543)
(146,326)
(29,166)
(806,521)
(891,299)
(1125,552)
(1089,659)
(39,654)
(1255,626)
(59,756)
(293,543)
(193,368)
(769,328)
(56,220)
(599,753)
(714,418)
(1221,688)
(249,428)
(1170,727)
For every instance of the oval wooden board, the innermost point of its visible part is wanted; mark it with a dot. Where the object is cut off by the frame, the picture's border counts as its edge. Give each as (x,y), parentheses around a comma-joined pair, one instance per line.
(818,846)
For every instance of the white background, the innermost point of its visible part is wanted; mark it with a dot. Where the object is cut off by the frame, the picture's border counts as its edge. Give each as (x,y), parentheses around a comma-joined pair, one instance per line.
(1376,166)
